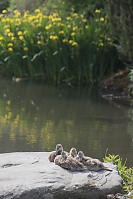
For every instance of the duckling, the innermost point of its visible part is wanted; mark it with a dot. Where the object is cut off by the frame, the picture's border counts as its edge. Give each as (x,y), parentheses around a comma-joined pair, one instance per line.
(69,163)
(82,158)
(60,158)
(92,164)
(53,154)
(73,153)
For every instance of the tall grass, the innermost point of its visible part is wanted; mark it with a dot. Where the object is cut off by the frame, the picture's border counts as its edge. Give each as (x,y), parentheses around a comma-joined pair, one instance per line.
(56,48)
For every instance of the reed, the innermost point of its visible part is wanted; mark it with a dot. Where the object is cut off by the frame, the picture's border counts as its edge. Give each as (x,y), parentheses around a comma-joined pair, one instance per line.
(58,49)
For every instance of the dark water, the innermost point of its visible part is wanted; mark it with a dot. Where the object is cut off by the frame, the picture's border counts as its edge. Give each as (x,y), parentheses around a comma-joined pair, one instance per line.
(34,117)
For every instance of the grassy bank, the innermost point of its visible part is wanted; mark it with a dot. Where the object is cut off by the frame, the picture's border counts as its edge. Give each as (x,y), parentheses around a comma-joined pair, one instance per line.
(58,49)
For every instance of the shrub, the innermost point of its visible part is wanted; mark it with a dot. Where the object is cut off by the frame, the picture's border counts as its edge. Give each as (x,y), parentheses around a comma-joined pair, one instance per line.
(121,21)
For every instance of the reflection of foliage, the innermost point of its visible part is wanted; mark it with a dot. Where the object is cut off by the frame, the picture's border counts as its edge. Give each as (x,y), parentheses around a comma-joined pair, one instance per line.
(125,173)
(43,130)
(33,129)
(34,117)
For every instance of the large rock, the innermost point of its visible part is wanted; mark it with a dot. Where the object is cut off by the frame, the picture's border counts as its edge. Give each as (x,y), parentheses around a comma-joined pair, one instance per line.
(31,176)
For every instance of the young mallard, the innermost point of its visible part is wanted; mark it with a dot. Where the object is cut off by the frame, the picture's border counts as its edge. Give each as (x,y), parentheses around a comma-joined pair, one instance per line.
(73,152)
(69,163)
(92,164)
(82,158)
(53,154)
(60,158)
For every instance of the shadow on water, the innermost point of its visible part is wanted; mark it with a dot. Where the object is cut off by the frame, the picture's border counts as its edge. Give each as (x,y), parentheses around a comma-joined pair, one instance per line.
(34,117)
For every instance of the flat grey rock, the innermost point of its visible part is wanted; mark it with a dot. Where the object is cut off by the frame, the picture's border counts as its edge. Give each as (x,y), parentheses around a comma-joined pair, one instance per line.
(31,176)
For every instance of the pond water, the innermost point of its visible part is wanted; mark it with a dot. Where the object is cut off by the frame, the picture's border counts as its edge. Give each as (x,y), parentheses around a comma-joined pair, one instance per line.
(35,117)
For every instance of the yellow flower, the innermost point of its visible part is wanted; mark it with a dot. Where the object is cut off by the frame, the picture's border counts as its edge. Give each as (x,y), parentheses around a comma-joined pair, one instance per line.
(9,115)
(97,20)
(7,30)
(84,20)
(109,39)
(86,27)
(12,38)
(10,34)
(65,40)
(55,14)
(73,34)
(10,44)
(37,11)
(59,19)
(74,44)
(47,27)
(69,26)
(82,16)
(50,17)
(101,44)
(38,42)
(8,102)
(1,38)
(97,11)
(10,49)
(56,19)
(61,32)
(60,24)
(70,41)
(4,11)
(75,28)
(25,14)
(102,19)
(53,37)
(20,33)
(68,18)
(25,49)
(74,14)
(21,37)
(17,13)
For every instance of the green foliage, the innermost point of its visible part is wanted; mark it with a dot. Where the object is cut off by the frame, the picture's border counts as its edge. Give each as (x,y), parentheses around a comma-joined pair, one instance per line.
(121,20)
(64,7)
(56,48)
(125,173)
(3,4)
(23,5)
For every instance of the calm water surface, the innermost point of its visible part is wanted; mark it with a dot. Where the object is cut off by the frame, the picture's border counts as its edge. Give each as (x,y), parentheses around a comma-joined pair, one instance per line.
(34,117)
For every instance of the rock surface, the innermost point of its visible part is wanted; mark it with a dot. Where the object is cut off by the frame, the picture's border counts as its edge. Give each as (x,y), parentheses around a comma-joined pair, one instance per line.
(31,176)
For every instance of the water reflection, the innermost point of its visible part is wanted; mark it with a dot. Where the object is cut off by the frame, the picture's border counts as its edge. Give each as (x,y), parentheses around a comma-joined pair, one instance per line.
(34,117)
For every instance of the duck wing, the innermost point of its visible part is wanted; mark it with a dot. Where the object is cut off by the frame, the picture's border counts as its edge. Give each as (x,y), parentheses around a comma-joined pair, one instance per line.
(75,165)
(58,160)
(52,156)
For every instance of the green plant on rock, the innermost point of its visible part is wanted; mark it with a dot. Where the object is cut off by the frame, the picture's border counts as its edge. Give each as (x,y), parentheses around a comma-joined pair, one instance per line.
(125,173)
